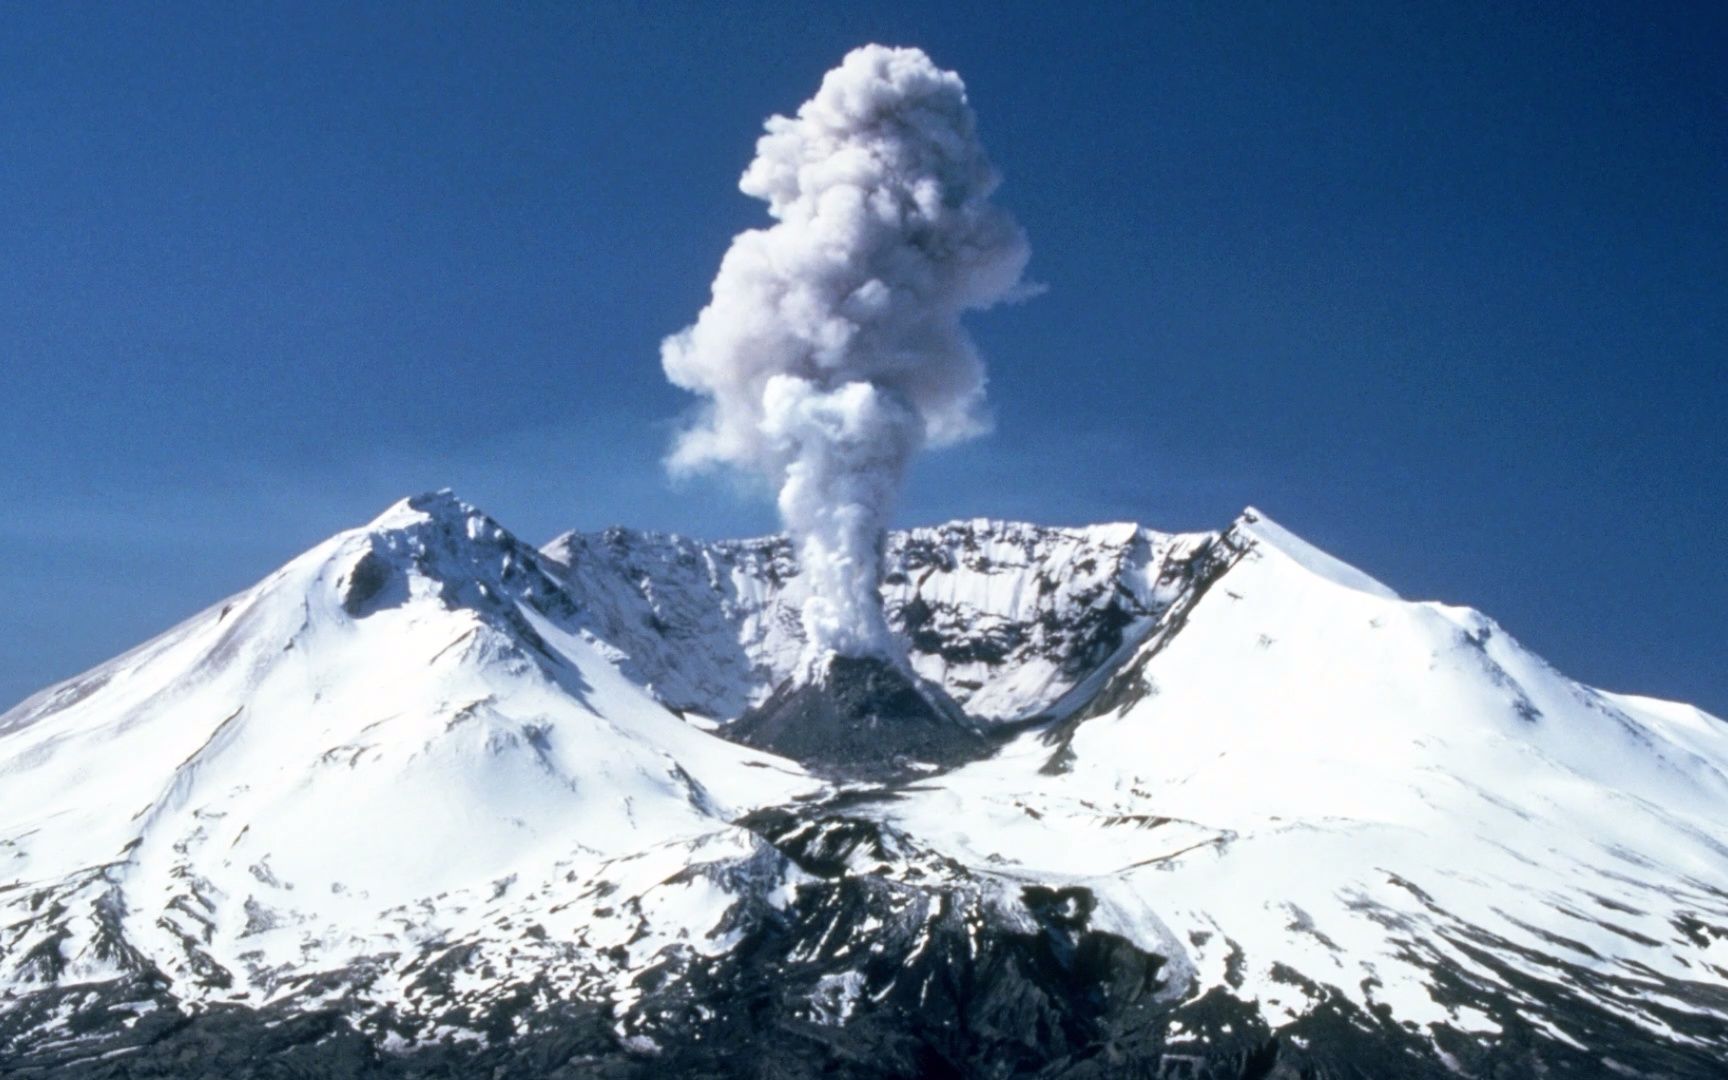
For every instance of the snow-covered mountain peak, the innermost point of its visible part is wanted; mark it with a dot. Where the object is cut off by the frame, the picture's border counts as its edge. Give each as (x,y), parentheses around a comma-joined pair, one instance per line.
(1331,794)
(407,712)
(1254,525)
(1233,803)
(441,505)
(439,545)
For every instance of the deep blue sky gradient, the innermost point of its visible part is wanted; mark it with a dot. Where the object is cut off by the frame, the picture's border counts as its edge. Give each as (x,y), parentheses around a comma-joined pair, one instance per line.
(1443,288)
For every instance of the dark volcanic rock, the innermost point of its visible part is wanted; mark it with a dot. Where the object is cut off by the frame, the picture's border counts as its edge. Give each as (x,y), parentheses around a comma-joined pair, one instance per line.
(890,963)
(861,719)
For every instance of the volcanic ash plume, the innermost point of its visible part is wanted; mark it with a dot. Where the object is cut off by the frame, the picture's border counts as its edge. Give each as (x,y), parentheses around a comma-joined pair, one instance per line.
(832,349)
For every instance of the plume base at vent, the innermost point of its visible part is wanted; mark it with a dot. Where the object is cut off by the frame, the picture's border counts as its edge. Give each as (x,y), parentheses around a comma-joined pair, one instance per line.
(863,719)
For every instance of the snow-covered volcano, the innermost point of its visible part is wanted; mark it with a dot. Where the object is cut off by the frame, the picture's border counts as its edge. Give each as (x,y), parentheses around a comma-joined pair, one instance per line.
(429,801)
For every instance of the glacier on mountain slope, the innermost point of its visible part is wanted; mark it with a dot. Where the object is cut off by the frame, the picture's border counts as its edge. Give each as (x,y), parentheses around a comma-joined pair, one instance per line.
(423,743)
(349,758)
(1316,777)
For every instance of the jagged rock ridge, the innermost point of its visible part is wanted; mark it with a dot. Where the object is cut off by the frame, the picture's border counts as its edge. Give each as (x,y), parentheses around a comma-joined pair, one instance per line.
(1005,617)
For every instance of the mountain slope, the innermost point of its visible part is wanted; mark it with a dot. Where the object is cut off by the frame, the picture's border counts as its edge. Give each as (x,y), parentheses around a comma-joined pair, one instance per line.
(1325,794)
(353,759)
(427,801)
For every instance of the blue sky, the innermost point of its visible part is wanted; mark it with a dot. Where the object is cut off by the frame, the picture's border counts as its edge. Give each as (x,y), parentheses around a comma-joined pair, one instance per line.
(1445,291)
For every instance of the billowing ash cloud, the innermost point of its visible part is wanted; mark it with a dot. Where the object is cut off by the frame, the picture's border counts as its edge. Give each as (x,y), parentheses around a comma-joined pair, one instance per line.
(832,349)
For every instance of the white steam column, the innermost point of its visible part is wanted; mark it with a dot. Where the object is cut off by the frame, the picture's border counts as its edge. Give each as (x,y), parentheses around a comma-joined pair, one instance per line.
(832,349)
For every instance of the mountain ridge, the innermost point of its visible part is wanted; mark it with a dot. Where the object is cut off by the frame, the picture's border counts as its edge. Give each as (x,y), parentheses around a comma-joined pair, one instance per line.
(429,799)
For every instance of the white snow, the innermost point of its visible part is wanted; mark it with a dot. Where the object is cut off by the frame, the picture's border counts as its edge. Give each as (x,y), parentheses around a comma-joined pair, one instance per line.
(272,781)
(1314,756)
(421,737)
